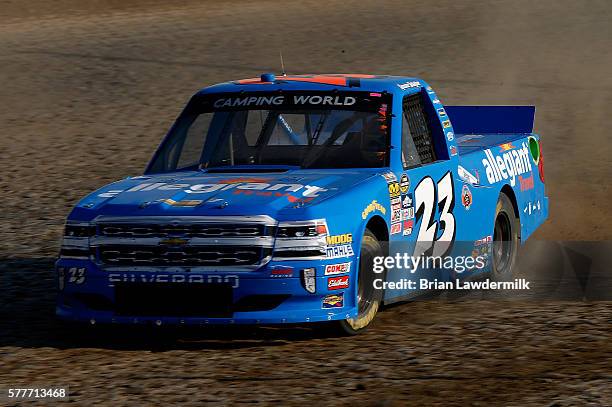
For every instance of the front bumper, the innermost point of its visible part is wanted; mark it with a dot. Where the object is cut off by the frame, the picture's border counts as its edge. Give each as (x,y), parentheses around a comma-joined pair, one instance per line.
(88,293)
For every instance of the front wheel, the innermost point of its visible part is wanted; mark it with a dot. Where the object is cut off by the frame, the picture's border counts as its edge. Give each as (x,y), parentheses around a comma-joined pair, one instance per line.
(368,297)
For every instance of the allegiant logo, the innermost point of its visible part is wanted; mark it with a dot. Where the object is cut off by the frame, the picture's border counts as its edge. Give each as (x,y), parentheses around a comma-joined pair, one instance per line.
(310,191)
(507,165)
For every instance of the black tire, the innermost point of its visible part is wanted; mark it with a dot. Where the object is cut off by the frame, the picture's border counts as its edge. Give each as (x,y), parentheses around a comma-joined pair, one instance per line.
(506,238)
(368,297)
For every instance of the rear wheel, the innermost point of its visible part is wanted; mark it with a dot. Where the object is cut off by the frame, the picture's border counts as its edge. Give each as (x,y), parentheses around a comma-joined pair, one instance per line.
(368,297)
(505,239)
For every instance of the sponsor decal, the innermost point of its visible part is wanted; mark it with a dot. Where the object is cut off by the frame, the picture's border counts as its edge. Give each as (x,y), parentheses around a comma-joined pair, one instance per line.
(469,137)
(435,101)
(450,136)
(453,150)
(441,111)
(172,278)
(408,213)
(396,213)
(339,239)
(394,189)
(404,183)
(274,99)
(408,85)
(338,283)
(526,183)
(484,241)
(466,197)
(239,186)
(183,204)
(389,177)
(446,124)
(333,301)
(339,246)
(324,100)
(341,250)
(396,228)
(506,146)
(483,251)
(482,247)
(408,226)
(339,268)
(373,207)
(281,272)
(396,201)
(407,201)
(506,166)
(280,100)
(467,176)
(532,207)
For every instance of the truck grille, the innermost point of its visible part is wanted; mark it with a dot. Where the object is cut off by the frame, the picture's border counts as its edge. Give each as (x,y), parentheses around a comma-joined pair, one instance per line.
(194,230)
(128,255)
(195,241)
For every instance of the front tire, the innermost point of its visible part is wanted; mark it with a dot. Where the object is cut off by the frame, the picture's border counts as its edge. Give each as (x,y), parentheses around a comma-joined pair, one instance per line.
(368,297)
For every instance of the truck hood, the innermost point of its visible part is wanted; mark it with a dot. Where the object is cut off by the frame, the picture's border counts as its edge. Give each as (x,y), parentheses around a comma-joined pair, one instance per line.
(198,193)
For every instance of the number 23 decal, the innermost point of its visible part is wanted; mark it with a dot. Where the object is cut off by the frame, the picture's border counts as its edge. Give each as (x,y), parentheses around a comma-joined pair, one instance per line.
(425,198)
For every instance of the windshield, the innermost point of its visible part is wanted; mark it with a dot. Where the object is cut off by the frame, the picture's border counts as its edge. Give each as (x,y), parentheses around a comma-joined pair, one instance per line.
(306,130)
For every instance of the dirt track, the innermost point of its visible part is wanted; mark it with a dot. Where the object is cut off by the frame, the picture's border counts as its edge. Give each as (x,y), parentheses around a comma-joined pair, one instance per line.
(88,90)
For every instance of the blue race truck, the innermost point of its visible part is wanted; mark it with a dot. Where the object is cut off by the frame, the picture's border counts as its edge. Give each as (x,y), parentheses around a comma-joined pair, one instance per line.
(270,200)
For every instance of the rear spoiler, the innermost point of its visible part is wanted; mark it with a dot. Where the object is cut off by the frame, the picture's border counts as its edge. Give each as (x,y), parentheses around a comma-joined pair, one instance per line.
(491,119)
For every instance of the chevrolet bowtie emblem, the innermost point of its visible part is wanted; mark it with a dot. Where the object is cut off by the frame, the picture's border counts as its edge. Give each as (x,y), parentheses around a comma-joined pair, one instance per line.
(185,203)
(174,241)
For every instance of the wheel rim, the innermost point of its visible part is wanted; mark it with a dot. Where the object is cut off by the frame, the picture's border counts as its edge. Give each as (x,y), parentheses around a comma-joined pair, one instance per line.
(502,242)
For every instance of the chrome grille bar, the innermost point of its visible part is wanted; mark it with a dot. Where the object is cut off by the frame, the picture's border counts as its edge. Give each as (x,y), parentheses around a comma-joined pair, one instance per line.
(244,242)
(263,241)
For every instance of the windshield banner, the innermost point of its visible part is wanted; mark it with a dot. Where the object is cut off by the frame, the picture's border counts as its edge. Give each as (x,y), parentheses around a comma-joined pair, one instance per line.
(358,101)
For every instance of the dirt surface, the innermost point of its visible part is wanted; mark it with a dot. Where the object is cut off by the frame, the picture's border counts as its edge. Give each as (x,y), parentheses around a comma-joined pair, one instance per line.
(425,353)
(89,88)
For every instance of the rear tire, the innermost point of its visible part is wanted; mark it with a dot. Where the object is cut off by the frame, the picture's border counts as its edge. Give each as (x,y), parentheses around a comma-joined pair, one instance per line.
(506,237)
(368,297)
